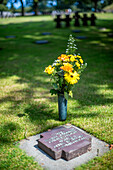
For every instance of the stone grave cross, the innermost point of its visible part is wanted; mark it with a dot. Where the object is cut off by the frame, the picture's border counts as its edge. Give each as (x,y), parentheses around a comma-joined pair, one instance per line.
(58,21)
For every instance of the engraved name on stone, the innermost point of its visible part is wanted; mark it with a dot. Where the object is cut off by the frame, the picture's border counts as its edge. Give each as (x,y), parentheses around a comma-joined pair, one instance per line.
(61,135)
(69,141)
(65,138)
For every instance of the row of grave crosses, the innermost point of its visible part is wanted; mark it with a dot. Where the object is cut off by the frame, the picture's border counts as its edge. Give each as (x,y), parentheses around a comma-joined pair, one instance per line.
(77,18)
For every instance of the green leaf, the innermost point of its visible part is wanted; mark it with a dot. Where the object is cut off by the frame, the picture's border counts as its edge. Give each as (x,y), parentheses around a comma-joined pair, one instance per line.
(55,86)
(60,81)
(61,73)
(53,91)
(66,95)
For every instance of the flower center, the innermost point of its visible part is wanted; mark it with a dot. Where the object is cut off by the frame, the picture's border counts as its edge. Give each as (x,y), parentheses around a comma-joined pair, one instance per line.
(72,76)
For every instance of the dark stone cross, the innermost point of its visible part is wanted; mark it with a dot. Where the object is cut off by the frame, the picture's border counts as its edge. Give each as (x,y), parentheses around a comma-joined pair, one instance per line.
(58,21)
(65,142)
(92,19)
(85,20)
(67,20)
(76,17)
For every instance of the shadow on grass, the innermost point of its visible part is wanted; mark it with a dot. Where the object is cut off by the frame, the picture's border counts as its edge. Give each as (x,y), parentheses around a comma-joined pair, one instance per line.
(8,132)
(40,112)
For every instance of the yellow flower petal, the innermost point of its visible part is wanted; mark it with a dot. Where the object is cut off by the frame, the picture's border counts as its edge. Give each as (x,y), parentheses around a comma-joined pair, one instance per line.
(67,67)
(72,78)
(49,69)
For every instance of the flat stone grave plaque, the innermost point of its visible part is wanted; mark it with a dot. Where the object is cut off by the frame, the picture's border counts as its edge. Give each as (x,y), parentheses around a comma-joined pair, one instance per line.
(4,26)
(76,31)
(110,34)
(102,29)
(42,42)
(46,33)
(65,142)
(11,36)
(81,37)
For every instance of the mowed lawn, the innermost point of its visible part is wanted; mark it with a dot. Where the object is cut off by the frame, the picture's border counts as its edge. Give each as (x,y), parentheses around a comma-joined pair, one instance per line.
(26,106)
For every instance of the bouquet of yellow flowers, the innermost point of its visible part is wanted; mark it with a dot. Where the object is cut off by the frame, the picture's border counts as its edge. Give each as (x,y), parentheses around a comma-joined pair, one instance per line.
(65,71)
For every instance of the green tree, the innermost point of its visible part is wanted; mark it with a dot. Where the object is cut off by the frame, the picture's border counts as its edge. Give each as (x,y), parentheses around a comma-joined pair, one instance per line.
(34,4)
(3,6)
(64,4)
(12,2)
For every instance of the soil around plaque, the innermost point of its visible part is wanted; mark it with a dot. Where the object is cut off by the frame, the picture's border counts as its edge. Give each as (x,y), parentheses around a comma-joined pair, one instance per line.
(65,142)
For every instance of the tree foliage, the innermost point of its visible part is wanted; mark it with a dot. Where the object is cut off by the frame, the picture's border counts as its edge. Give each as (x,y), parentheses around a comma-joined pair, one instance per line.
(3,6)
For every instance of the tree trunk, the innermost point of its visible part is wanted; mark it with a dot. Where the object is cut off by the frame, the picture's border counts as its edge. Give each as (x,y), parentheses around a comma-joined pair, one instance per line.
(22,7)
(1,14)
(35,8)
(95,4)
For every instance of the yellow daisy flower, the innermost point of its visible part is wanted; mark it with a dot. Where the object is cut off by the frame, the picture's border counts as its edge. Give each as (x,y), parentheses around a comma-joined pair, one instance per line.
(72,78)
(81,60)
(78,56)
(78,65)
(49,69)
(72,58)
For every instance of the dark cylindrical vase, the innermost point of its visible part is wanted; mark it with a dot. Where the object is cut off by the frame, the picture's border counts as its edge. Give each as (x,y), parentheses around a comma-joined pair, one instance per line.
(62,107)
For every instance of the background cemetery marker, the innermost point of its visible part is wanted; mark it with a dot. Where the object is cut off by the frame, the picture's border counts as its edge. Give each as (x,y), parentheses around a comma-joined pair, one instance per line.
(76,18)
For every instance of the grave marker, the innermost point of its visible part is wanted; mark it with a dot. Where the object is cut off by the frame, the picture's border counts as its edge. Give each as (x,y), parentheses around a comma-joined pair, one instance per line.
(81,37)
(77,18)
(65,142)
(92,19)
(110,34)
(67,20)
(85,20)
(102,29)
(11,36)
(46,33)
(41,42)
(58,21)
(76,31)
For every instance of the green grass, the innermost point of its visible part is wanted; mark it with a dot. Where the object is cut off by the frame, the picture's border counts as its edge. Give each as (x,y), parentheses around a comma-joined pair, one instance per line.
(26,106)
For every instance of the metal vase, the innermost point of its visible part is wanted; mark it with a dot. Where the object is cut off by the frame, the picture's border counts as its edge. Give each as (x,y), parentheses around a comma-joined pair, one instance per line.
(62,107)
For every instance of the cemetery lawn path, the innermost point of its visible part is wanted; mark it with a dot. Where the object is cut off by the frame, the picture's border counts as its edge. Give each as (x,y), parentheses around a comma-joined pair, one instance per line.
(26,106)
